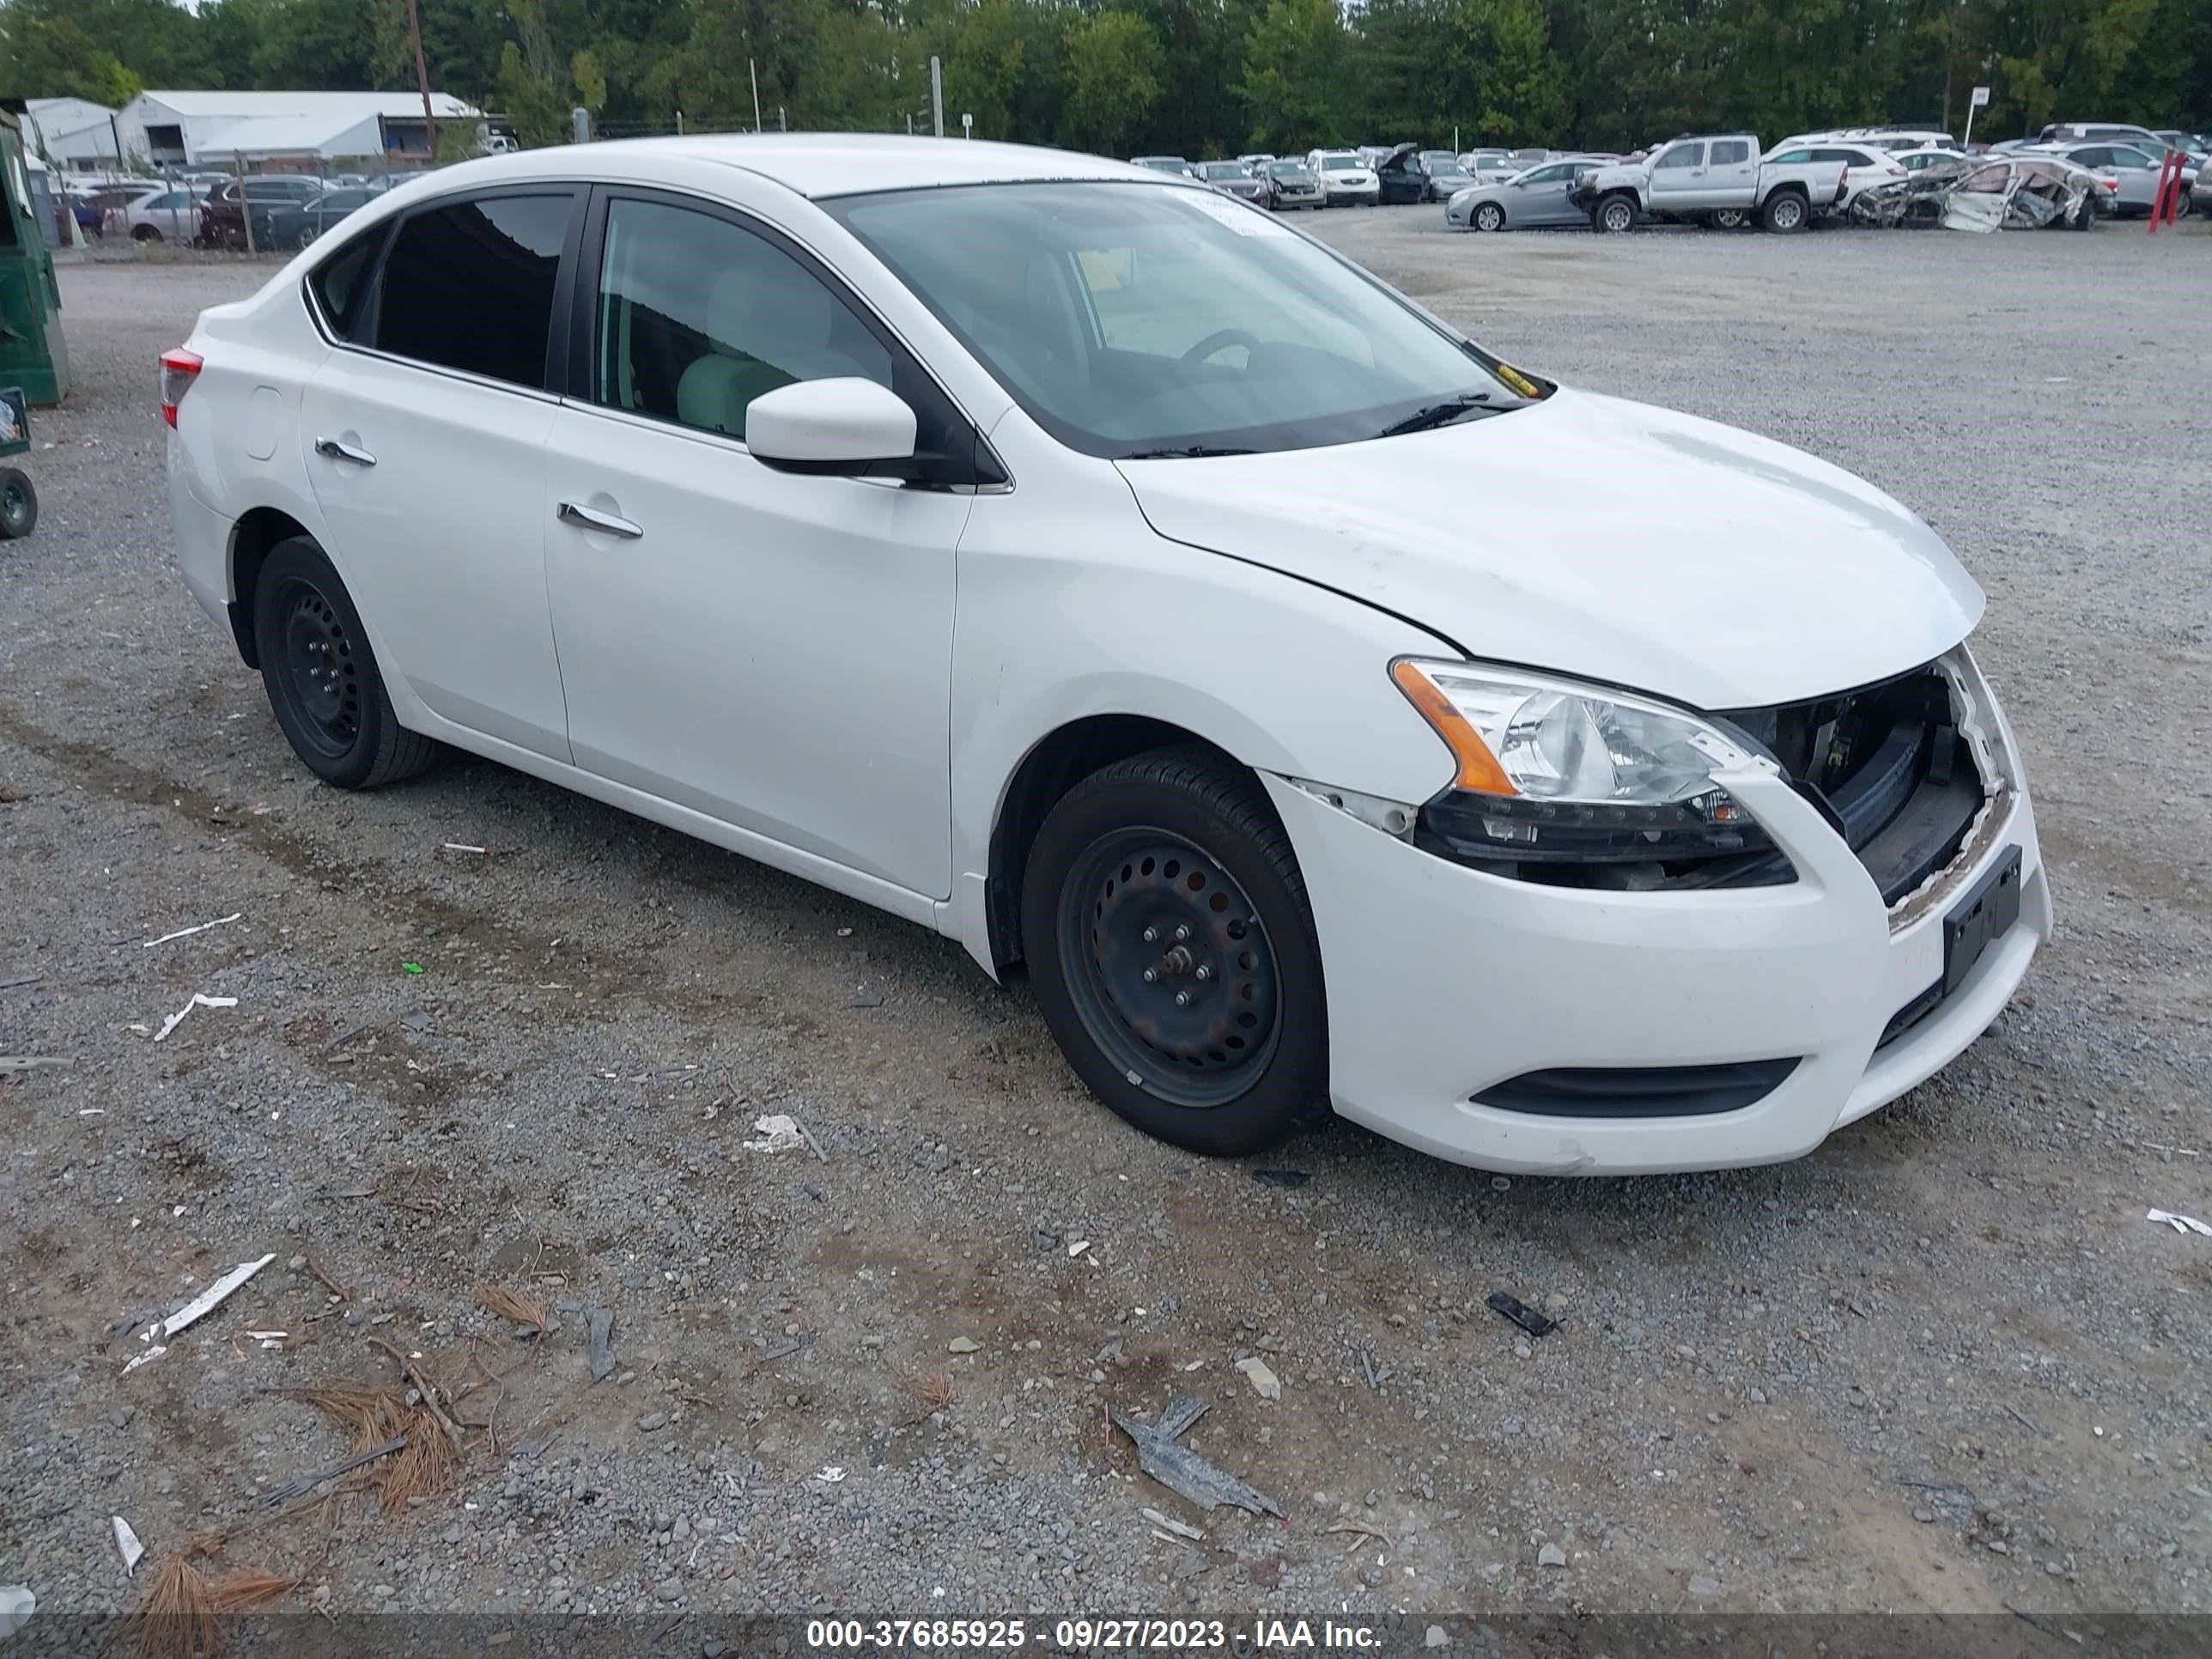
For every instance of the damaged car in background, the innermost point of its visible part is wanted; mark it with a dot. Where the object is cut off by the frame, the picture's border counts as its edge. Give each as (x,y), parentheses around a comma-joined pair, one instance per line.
(2016,190)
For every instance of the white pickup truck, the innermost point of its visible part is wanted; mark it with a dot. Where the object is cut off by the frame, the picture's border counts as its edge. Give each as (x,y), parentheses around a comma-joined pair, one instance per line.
(1715,178)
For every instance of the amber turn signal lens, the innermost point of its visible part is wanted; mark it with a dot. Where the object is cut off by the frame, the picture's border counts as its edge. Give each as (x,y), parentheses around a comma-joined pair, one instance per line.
(1479,769)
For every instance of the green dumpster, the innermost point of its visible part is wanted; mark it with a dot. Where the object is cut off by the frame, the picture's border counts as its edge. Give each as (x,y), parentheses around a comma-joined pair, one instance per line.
(32,354)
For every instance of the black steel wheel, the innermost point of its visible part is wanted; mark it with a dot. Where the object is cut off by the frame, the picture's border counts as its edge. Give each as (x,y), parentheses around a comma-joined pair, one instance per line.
(320,673)
(19,504)
(1172,971)
(321,676)
(1173,952)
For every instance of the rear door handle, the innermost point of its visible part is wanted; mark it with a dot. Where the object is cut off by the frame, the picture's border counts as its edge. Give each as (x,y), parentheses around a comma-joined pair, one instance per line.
(589,518)
(343,452)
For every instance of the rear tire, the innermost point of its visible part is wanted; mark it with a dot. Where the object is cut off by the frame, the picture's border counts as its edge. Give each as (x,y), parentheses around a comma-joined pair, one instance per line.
(1785,213)
(1489,217)
(321,675)
(19,504)
(1172,865)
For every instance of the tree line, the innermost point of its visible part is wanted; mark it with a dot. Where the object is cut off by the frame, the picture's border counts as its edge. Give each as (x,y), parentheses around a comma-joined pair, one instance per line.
(1189,77)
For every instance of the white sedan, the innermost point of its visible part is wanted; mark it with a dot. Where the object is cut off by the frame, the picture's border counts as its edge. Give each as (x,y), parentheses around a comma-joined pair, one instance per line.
(1094,569)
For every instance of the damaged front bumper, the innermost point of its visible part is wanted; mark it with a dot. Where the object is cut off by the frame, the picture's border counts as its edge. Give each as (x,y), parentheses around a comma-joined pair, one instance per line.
(1554,1029)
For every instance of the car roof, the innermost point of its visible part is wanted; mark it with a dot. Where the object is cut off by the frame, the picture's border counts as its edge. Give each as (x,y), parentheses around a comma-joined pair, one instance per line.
(817,165)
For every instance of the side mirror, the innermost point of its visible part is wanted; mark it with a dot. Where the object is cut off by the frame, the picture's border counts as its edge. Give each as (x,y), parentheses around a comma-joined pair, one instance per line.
(836,428)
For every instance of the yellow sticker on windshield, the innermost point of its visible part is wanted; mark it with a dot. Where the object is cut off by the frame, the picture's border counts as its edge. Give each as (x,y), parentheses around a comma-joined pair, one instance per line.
(1104,268)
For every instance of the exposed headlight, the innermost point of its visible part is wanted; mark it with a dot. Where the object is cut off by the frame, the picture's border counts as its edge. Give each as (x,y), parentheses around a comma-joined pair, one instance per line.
(1552,770)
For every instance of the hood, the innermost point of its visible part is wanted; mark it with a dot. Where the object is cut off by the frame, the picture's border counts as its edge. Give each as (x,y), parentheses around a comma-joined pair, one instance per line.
(1358,175)
(1597,538)
(1401,149)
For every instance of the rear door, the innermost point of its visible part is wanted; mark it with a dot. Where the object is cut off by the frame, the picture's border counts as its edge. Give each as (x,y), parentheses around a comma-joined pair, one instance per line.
(425,436)
(1731,174)
(1678,177)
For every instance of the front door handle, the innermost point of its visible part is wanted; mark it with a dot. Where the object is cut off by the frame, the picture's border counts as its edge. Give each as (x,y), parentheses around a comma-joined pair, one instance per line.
(345,452)
(590,517)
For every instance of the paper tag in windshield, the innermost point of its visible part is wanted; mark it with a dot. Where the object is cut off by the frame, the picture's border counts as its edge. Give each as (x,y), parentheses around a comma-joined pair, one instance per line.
(1245,221)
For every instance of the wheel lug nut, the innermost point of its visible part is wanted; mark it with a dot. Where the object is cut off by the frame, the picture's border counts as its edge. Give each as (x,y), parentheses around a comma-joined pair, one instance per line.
(1204,972)
(1152,936)
(1182,999)
(1183,931)
(1150,976)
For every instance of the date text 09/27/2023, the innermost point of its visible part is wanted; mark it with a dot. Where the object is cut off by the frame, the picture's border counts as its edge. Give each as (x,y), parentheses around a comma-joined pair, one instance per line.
(1088,1635)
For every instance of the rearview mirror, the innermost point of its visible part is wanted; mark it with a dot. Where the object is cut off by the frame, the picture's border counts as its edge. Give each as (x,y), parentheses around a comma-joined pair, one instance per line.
(838,427)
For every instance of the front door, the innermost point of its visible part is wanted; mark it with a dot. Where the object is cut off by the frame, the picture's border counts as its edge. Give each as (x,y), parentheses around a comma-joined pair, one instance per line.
(772,650)
(1678,177)
(1543,197)
(426,451)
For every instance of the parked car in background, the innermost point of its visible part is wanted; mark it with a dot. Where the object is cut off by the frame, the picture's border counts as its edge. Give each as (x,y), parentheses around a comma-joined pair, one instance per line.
(296,226)
(1715,178)
(1751,854)
(1889,137)
(1233,179)
(1488,166)
(1931,155)
(1293,184)
(1866,164)
(2200,192)
(1447,178)
(1257,161)
(1347,180)
(2067,133)
(1174,164)
(164,215)
(222,215)
(2137,172)
(1399,178)
(1531,200)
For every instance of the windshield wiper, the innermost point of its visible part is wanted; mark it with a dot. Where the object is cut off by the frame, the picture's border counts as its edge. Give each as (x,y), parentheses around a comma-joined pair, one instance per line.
(1443,414)
(1190,453)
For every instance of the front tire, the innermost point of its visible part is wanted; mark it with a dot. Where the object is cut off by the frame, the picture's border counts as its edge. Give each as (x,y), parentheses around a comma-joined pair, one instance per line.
(146,234)
(321,676)
(1729,219)
(1613,216)
(1173,956)
(1489,217)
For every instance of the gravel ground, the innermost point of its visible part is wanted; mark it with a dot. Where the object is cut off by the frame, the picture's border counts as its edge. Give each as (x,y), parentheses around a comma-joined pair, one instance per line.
(1942,1364)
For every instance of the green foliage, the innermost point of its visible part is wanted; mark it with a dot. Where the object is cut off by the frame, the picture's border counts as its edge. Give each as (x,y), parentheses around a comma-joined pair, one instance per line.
(1192,77)
(1113,79)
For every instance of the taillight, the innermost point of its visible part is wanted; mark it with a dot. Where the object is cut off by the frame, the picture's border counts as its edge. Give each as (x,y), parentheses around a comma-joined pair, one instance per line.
(179,368)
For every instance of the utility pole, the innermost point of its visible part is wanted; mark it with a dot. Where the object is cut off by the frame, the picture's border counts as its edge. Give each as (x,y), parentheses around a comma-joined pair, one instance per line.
(423,80)
(116,133)
(936,95)
(755,74)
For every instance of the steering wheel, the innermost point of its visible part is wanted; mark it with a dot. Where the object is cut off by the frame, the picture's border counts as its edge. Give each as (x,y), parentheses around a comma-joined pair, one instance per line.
(1221,340)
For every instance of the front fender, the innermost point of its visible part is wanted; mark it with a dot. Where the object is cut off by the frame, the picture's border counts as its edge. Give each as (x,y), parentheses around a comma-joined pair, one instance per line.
(1071,606)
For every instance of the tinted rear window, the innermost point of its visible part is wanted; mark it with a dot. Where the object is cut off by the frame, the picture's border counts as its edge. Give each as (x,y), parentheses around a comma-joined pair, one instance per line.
(470,286)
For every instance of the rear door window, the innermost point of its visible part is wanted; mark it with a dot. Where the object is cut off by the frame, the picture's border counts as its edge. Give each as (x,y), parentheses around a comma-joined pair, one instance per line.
(1728,151)
(469,285)
(341,285)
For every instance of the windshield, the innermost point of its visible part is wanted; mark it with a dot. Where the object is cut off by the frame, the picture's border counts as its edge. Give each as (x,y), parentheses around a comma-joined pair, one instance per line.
(1226,170)
(1288,170)
(1341,164)
(1161,163)
(1132,320)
